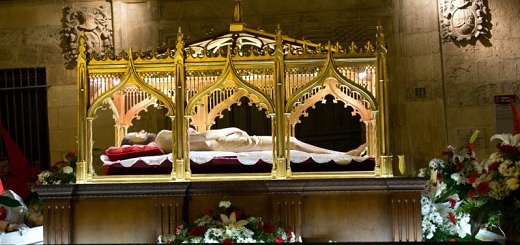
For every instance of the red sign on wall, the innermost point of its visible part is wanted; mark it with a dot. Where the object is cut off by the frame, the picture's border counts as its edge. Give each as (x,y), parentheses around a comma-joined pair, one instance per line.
(504,99)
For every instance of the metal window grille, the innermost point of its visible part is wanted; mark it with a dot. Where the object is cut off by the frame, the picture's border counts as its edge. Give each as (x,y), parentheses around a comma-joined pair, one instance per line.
(23,111)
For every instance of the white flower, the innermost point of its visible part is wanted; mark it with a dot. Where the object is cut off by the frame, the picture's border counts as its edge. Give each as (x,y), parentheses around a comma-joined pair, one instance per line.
(43,175)
(507,139)
(224,204)
(424,172)
(436,164)
(67,169)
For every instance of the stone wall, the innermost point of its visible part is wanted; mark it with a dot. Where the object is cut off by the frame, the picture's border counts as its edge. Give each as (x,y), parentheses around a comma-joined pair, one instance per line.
(459,81)
(473,74)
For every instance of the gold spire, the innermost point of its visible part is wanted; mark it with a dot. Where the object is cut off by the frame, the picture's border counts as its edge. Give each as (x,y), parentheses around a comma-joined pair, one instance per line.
(237,24)
(237,12)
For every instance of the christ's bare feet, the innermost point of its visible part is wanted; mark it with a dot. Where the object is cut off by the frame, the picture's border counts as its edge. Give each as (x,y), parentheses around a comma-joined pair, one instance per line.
(358,151)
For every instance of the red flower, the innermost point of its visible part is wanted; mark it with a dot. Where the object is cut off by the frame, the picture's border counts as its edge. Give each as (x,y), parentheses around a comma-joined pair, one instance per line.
(3,213)
(507,148)
(278,240)
(227,240)
(178,229)
(238,213)
(452,218)
(439,176)
(459,165)
(209,212)
(483,188)
(58,165)
(289,235)
(197,231)
(70,155)
(452,202)
(493,166)
(471,195)
(453,240)
(471,146)
(266,227)
(473,177)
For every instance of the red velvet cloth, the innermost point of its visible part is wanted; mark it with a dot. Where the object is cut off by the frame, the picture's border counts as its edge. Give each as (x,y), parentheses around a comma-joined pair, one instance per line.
(222,165)
(132,151)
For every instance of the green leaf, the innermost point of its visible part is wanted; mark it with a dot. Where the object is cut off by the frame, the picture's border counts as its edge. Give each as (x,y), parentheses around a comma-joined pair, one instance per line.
(9,202)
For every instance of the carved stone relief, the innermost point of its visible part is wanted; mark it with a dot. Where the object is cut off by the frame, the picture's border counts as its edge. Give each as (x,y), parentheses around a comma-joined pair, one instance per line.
(463,20)
(96,23)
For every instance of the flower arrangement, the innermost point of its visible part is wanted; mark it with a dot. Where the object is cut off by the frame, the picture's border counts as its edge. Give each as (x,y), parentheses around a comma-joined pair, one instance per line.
(464,195)
(62,172)
(498,183)
(227,224)
(444,193)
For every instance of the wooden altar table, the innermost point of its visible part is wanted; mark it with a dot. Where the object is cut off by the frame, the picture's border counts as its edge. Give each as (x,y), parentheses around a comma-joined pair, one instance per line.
(322,210)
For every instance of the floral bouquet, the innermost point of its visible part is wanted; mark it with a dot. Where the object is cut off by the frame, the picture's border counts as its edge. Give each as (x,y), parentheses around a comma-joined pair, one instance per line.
(227,224)
(501,179)
(449,185)
(465,195)
(61,172)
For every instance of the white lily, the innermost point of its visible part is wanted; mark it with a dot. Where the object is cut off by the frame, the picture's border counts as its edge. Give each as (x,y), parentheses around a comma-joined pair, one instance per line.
(232,220)
(507,139)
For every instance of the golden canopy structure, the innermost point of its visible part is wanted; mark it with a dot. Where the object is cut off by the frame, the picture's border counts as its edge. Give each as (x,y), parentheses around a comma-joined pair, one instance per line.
(280,75)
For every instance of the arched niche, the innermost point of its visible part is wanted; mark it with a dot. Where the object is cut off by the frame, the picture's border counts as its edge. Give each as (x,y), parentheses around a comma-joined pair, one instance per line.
(331,124)
(128,110)
(243,115)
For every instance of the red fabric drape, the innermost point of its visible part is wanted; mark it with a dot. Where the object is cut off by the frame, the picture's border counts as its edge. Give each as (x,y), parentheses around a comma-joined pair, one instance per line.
(20,168)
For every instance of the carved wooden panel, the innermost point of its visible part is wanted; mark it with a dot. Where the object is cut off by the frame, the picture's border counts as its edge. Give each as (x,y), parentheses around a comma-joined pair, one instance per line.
(169,211)
(406,217)
(287,212)
(57,222)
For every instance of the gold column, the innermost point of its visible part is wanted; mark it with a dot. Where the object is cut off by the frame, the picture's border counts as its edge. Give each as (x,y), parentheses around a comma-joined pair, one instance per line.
(179,151)
(82,100)
(279,93)
(382,93)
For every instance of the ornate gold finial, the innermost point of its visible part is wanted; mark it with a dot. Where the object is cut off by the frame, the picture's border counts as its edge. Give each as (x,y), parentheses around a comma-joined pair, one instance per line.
(82,48)
(380,37)
(180,44)
(237,12)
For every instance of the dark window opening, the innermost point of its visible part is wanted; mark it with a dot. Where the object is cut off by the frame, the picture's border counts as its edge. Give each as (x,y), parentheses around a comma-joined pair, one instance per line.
(23,112)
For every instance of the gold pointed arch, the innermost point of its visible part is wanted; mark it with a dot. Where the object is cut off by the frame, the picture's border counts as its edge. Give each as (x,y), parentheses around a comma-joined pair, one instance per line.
(228,78)
(131,77)
(328,81)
